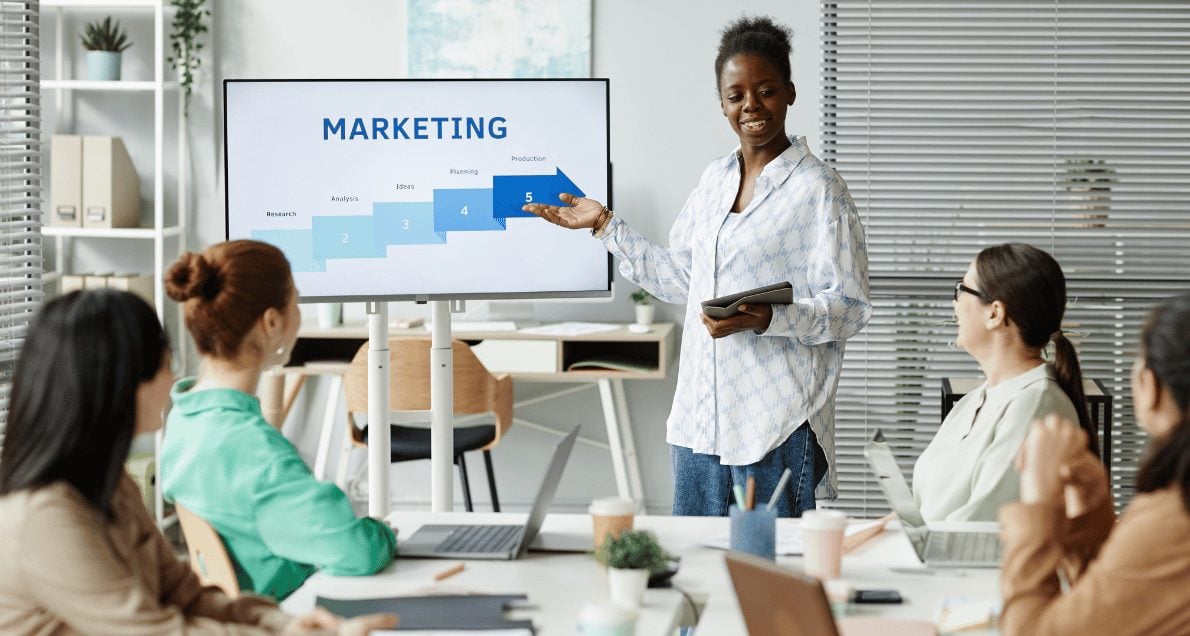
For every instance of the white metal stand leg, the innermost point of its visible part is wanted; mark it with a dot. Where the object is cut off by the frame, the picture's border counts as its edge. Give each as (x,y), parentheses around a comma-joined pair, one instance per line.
(619,437)
(379,435)
(328,427)
(628,442)
(442,406)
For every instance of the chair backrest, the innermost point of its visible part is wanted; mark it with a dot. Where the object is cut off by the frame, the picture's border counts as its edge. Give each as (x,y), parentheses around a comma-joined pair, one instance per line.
(476,390)
(208,555)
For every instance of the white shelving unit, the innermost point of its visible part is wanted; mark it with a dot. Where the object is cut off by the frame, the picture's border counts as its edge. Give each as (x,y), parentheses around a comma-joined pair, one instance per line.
(160,233)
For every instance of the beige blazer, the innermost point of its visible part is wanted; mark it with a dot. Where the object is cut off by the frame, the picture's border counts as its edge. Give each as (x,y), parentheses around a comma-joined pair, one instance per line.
(1131,577)
(65,569)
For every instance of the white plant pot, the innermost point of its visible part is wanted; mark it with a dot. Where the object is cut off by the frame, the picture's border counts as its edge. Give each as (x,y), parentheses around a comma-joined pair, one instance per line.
(644,314)
(103,66)
(627,587)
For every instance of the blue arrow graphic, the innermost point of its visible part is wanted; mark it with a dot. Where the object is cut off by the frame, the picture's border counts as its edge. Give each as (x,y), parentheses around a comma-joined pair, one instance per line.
(510,192)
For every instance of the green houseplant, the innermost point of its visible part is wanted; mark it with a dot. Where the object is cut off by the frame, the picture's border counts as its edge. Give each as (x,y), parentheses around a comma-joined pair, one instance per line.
(644,307)
(630,558)
(105,43)
(189,24)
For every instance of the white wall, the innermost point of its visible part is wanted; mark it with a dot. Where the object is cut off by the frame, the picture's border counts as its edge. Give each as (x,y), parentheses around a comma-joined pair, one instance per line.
(666,126)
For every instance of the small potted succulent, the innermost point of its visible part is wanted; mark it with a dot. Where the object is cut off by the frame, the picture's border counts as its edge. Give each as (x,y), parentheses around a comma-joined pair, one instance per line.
(630,558)
(644,307)
(105,42)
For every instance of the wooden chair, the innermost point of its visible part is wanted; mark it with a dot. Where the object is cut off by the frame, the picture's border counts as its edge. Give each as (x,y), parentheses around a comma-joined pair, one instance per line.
(476,391)
(208,556)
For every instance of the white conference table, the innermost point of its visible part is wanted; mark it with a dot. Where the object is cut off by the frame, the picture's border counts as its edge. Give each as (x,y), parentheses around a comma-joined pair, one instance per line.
(558,584)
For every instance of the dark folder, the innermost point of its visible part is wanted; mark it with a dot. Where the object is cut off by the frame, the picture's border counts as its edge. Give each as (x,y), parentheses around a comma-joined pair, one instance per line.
(728,306)
(458,612)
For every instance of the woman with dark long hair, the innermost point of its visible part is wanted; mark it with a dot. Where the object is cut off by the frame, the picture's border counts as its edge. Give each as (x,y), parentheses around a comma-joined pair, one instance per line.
(1009,306)
(78,550)
(1131,577)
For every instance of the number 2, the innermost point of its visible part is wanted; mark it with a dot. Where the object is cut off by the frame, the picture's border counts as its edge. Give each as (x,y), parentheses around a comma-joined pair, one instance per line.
(344,241)
(528,197)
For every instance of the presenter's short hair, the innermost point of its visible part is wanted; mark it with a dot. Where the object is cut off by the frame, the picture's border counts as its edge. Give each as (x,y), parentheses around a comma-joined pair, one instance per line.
(759,36)
(226,288)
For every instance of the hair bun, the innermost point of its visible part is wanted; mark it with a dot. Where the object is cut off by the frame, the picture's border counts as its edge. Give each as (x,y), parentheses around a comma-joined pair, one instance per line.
(192,276)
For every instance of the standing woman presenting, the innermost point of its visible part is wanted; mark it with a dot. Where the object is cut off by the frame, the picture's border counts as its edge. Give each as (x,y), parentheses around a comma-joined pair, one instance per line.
(755,391)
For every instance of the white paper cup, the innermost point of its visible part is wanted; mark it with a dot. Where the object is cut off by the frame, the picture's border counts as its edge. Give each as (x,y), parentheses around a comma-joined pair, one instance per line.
(822,532)
(606,619)
(610,516)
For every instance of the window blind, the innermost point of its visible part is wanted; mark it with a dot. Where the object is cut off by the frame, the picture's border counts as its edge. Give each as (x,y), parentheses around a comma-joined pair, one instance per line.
(960,125)
(20,184)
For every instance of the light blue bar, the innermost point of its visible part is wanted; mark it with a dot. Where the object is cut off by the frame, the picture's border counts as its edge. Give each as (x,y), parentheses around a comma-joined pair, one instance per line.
(345,237)
(405,224)
(465,210)
(298,246)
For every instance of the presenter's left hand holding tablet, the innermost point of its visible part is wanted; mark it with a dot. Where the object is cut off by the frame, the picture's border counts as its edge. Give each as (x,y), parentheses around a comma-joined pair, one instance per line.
(583,213)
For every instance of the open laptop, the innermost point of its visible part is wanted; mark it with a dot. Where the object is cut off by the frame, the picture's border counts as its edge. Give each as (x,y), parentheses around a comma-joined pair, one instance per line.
(979,547)
(492,541)
(779,602)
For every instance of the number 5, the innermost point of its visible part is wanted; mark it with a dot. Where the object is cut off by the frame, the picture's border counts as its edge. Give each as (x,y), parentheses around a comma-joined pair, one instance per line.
(528,197)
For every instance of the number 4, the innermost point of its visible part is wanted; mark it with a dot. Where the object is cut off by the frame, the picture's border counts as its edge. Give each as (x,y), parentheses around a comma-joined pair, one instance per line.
(463,211)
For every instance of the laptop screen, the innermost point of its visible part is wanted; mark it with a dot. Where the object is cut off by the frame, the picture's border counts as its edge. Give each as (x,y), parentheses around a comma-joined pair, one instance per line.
(892,481)
(549,486)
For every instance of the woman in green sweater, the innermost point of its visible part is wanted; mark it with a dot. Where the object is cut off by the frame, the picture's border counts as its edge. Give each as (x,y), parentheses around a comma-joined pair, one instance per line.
(223,461)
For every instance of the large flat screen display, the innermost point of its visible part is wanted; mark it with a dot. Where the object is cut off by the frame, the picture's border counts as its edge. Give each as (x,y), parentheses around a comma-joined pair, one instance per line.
(412,189)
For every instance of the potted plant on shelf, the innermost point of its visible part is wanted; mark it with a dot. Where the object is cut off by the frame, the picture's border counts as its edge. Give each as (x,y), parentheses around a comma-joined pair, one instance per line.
(105,42)
(630,558)
(644,307)
(188,25)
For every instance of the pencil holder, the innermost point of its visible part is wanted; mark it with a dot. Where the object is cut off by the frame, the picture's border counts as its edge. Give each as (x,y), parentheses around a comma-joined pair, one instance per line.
(754,532)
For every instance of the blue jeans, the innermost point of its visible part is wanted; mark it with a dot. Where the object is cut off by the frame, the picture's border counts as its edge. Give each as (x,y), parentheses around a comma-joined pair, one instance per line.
(703,486)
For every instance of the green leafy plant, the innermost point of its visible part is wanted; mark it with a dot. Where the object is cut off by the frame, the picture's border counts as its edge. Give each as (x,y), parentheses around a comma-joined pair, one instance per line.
(642,297)
(633,550)
(104,36)
(189,24)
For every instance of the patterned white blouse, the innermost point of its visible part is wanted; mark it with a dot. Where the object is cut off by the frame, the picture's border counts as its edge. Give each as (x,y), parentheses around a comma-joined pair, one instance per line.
(741,396)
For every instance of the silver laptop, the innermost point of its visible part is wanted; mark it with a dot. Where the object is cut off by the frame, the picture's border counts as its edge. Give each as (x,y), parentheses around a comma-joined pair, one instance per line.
(935,548)
(492,541)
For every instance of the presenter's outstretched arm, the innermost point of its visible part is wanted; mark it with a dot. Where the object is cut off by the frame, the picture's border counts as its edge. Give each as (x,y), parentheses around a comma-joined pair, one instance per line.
(578,213)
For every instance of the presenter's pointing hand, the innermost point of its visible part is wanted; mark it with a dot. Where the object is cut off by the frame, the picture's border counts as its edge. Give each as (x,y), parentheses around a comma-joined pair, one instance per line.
(578,213)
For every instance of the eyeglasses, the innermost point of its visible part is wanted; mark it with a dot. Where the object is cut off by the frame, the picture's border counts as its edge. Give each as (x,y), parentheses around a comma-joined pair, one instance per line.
(960,287)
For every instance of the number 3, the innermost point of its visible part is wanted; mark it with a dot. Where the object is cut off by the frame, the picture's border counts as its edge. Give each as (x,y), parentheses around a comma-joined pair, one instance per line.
(404,224)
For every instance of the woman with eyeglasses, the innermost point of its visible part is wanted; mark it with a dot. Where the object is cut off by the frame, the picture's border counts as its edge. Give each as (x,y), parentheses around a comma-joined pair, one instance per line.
(1131,577)
(1009,306)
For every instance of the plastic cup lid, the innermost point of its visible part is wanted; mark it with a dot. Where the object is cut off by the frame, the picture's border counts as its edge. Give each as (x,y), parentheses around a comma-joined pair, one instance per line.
(824,520)
(612,506)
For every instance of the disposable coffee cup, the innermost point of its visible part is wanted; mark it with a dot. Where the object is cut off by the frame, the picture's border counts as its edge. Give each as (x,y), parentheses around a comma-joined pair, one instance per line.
(822,533)
(610,516)
(606,619)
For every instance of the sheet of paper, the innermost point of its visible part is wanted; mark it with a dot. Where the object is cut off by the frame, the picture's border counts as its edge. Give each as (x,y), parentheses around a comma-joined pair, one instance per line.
(570,328)
(789,538)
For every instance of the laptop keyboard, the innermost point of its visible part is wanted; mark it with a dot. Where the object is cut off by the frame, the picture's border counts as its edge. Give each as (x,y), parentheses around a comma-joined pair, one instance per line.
(968,547)
(480,539)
